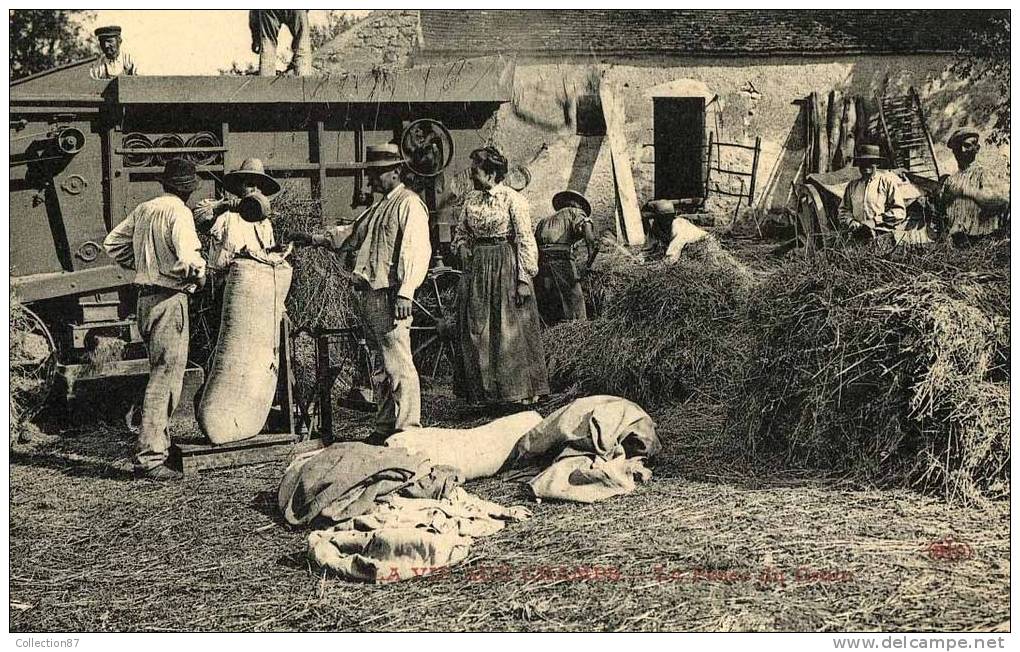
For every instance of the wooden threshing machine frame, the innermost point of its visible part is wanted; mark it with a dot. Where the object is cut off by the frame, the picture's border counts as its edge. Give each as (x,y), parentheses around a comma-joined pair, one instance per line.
(85,152)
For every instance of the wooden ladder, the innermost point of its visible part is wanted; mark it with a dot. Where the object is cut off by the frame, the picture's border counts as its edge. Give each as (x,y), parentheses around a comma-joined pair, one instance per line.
(906,133)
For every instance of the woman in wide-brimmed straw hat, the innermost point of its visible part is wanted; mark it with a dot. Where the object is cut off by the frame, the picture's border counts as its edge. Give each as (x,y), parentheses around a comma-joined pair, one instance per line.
(558,284)
(500,341)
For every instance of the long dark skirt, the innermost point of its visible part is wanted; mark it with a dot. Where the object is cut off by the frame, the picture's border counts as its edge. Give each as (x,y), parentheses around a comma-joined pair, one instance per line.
(501,344)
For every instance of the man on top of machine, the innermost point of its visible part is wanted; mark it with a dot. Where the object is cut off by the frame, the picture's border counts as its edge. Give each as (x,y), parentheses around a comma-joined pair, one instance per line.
(158,240)
(113,61)
(391,249)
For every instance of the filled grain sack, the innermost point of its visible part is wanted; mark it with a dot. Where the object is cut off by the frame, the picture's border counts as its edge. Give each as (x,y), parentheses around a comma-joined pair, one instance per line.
(476,452)
(242,377)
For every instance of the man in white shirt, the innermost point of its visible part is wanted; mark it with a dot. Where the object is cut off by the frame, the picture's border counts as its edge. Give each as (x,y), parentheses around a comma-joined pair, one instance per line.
(158,240)
(113,62)
(391,249)
(873,204)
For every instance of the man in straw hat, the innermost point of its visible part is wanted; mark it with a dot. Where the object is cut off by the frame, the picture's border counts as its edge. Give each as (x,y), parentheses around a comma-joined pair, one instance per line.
(558,283)
(240,224)
(113,62)
(158,241)
(391,249)
(975,199)
(873,204)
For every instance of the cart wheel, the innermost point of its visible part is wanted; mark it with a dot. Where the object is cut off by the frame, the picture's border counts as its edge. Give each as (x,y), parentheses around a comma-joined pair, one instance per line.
(434,325)
(33,357)
(813,219)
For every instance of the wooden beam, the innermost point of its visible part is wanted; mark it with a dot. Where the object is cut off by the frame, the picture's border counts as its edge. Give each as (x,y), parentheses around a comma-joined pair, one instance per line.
(261,448)
(630,210)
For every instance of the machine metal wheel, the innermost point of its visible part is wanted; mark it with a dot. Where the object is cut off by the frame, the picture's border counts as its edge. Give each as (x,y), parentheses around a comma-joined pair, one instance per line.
(33,358)
(434,325)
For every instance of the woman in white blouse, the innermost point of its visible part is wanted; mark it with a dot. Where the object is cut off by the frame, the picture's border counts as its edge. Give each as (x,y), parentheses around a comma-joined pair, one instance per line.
(500,341)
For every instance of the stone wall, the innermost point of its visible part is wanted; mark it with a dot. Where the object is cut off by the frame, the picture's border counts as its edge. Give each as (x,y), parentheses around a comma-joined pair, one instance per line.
(383,39)
(753,98)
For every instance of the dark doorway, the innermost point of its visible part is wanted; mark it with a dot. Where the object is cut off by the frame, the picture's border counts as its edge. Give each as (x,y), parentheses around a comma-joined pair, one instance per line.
(679,147)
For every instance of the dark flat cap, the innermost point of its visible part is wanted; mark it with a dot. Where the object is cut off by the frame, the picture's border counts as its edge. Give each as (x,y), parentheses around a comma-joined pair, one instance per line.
(959,136)
(108,30)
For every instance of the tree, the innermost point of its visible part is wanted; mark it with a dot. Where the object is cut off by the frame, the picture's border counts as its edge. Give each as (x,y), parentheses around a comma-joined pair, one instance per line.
(43,38)
(987,57)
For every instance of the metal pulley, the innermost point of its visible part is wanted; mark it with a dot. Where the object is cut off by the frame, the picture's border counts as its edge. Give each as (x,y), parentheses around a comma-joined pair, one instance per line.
(69,140)
(428,147)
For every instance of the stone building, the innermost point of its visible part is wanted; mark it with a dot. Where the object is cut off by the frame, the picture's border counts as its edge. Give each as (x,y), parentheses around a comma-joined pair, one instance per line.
(748,70)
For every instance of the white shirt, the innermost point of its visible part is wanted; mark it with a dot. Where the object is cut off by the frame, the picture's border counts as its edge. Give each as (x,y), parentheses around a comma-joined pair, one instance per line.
(110,68)
(158,240)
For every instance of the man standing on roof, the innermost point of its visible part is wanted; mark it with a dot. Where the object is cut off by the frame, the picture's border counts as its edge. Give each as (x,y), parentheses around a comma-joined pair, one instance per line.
(873,204)
(391,249)
(975,200)
(113,62)
(265,27)
(158,240)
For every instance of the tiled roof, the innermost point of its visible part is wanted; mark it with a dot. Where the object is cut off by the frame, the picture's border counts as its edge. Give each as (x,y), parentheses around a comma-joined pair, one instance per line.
(711,32)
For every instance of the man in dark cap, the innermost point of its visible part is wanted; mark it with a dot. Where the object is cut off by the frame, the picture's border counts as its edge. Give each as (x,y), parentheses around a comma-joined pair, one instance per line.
(113,62)
(975,202)
(391,250)
(873,204)
(558,283)
(158,240)
(265,26)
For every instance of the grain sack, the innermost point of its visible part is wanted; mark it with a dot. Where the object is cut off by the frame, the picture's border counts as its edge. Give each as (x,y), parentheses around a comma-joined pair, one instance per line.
(478,452)
(242,378)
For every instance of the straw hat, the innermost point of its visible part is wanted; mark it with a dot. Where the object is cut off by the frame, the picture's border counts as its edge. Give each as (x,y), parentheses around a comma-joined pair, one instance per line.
(560,199)
(383,156)
(254,173)
(959,136)
(868,153)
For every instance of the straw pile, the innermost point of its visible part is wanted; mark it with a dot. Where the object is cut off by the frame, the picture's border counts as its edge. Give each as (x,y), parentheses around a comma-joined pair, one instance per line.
(661,331)
(93,551)
(889,370)
(320,295)
(886,369)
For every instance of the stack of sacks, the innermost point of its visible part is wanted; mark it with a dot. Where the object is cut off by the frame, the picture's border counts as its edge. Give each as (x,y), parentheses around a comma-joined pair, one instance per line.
(598,445)
(407,537)
(477,452)
(397,512)
(346,479)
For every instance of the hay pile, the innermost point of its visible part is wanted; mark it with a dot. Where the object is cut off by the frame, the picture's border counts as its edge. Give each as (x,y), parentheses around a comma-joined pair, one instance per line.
(889,370)
(660,335)
(31,362)
(320,295)
(886,369)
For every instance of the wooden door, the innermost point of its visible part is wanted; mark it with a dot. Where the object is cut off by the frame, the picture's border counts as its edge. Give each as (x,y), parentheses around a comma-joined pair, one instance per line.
(679,124)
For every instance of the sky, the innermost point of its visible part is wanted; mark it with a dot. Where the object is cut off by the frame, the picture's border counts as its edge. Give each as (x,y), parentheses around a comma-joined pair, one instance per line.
(188,42)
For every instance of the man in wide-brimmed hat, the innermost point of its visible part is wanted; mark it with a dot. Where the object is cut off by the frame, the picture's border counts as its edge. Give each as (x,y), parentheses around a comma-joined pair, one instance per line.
(113,61)
(974,199)
(558,283)
(390,247)
(240,223)
(873,204)
(158,240)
